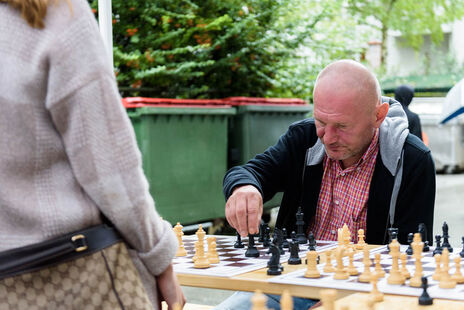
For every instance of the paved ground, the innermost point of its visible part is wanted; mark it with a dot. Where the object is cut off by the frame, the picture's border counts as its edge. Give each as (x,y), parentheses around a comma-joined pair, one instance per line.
(449,207)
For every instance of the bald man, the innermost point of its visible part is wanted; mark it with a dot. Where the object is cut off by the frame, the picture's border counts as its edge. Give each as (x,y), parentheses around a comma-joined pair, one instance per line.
(354,162)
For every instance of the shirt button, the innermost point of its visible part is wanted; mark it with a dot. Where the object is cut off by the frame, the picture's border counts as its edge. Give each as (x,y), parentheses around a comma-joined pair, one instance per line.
(333,231)
(336,202)
(342,174)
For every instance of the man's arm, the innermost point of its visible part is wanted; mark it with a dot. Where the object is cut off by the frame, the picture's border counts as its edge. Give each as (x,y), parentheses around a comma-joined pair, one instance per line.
(247,186)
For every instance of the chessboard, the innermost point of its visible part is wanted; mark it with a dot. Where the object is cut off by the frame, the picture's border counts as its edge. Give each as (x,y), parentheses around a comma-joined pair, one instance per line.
(232,261)
(358,301)
(428,264)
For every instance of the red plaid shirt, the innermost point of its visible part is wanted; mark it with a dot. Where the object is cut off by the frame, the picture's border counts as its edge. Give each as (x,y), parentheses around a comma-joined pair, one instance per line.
(343,196)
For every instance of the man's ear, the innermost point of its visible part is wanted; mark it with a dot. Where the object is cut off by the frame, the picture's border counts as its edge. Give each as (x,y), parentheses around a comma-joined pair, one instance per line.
(380,113)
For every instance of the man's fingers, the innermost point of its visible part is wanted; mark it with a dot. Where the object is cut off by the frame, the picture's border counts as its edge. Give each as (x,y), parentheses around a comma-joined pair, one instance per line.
(254,208)
(230,212)
(241,214)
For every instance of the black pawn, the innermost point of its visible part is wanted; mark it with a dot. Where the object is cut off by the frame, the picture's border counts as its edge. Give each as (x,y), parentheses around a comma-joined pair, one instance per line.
(251,251)
(294,253)
(285,236)
(410,239)
(422,229)
(462,252)
(300,235)
(424,299)
(293,236)
(238,243)
(446,243)
(438,249)
(392,234)
(274,263)
(267,237)
(262,231)
(312,242)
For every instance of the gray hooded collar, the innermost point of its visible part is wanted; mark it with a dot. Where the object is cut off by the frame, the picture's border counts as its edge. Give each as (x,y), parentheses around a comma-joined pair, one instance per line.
(392,135)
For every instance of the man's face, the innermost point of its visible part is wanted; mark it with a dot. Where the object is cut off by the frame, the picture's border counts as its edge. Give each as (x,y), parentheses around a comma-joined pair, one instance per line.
(344,126)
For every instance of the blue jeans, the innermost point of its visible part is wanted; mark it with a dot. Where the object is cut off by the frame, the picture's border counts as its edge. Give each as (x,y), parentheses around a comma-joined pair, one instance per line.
(242,301)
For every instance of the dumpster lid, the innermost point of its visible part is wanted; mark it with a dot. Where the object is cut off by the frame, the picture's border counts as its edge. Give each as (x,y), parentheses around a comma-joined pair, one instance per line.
(137,102)
(237,101)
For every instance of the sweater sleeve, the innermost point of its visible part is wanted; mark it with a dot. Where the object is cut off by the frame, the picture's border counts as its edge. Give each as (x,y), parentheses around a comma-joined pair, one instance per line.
(85,107)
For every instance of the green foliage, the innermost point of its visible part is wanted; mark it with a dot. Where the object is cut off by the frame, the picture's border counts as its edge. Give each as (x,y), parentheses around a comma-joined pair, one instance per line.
(411,17)
(220,48)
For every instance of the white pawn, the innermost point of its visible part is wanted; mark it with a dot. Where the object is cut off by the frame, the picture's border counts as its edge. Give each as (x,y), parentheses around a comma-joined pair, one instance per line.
(286,301)
(258,301)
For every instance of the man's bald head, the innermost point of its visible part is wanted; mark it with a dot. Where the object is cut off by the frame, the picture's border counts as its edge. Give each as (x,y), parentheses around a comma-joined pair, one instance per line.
(350,78)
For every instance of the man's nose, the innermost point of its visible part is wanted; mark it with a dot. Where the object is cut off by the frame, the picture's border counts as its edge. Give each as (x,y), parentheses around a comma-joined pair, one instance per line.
(330,135)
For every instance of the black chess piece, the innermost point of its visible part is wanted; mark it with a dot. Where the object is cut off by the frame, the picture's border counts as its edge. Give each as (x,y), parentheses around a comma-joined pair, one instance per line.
(462,252)
(422,229)
(274,262)
(392,234)
(293,236)
(278,240)
(251,251)
(300,235)
(410,239)
(238,243)
(262,231)
(294,253)
(424,299)
(267,237)
(311,242)
(438,249)
(446,243)
(285,236)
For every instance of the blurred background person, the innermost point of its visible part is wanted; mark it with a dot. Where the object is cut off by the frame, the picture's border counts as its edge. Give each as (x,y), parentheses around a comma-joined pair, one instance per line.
(404,94)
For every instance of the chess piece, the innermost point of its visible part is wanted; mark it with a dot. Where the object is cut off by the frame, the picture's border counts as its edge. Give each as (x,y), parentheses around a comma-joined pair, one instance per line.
(294,253)
(422,229)
(195,255)
(409,249)
(201,260)
(267,237)
(424,299)
(392,234)
(457,276)
(361,243)
(262,231)
(438,247)
(352,270)
(212,255)
(378,268)
(286,301)
(284,238)
(340,272)
(300,235)
(258,301)
(274,262)
(365,276)
(375,294)
(311,242)
(328,262)
(328,298)
(251,251)
(437,274)
(445,280)
(446,243)
(462,252)
(278,240)
(311,268)
(179,233)
(238,243)
(417,245)
(395,278)
(404,270)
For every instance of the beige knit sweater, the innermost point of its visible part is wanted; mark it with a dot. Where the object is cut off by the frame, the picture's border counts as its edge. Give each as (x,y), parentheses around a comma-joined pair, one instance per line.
(67,148)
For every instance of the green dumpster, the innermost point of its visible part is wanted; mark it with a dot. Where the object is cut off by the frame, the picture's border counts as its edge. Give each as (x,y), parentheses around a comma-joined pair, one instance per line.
(258,124)
(184,154)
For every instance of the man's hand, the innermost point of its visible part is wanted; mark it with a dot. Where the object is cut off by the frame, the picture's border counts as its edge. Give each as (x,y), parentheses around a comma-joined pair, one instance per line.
(244,209)
(169,289)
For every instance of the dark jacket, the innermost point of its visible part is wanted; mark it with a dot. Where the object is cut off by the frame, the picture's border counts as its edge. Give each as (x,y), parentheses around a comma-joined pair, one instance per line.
(281,167)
